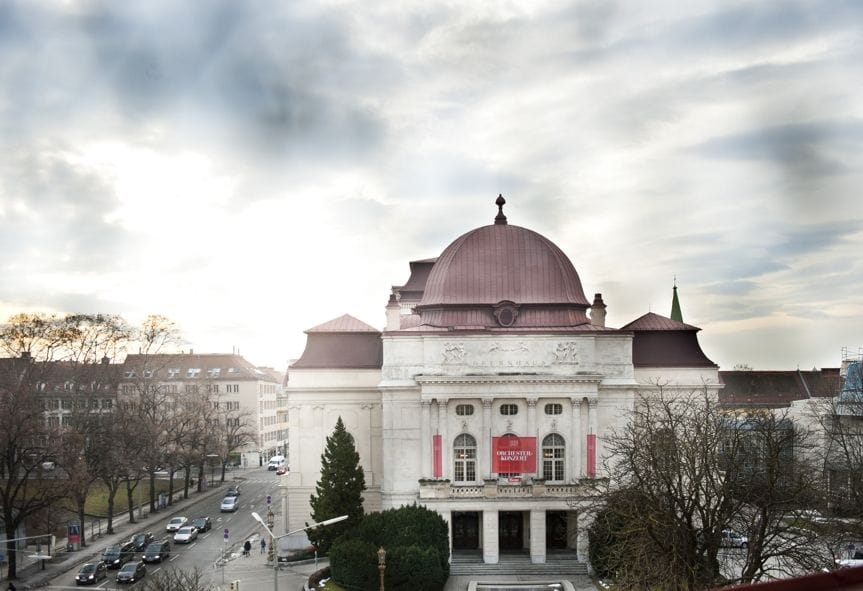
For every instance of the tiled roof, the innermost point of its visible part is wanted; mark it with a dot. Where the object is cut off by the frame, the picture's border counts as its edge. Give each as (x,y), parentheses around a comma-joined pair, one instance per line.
(776,388)
(212,366)
(357,350)
(652,321)
(344,323)
(413,289)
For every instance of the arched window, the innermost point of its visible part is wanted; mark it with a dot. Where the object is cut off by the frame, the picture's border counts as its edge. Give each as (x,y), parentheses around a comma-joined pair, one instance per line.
(553,456)
(464,456)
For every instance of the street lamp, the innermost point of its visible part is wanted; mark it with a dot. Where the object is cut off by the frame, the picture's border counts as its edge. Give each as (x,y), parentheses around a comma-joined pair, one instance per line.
(274,539)
(382,564)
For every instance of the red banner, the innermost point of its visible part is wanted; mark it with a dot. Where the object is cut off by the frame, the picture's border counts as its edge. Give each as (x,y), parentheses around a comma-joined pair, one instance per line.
(591,455)
(512,454)
(437,456)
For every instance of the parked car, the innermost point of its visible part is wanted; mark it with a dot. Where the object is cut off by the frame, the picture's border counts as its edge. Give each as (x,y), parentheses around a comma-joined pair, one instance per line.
(202,523)
(91,573)
(176,523)
(855,560)
(141,541)
(281,470)
(116,555)
(733,539)
(157,551)
(229,504)
(186,534)
(233,491)
(131,572)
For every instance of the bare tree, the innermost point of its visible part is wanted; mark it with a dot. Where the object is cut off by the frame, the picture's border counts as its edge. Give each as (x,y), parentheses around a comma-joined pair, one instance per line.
(682,470)
(177,580)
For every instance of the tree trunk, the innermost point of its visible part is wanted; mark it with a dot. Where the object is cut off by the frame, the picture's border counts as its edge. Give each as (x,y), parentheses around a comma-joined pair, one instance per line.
(152,492)
(171,486)
(112,491)
(80,501)
(129,491)
(200,476)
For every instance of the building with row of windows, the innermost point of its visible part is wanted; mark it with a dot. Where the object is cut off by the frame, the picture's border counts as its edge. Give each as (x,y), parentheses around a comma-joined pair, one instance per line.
(232,384)
(488,394)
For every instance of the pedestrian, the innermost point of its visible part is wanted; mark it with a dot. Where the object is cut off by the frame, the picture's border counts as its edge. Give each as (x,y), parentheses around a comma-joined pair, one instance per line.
(263,546)
(12,587)
(851,548)
(247,548)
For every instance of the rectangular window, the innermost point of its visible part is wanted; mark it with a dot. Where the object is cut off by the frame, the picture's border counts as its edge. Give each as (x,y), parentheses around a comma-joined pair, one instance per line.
(107,403)
(214,372)
(173,372)
(193,372)
(66,404)
(129,374)
(148,373)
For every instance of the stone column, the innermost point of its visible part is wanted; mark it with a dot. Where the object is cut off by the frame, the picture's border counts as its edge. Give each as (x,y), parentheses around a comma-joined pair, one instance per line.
(490,552)
(446,444)
(484,447)
(447,516)
(531,417)
(592,420)
(537,536)
(425,435)
(583,546)
(575,435)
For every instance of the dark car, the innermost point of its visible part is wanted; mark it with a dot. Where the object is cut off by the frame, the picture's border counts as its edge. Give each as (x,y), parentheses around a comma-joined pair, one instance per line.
(202,523)
(157,551)
(91,573)
(117,555)
(131,572)
(141,541)
(233,491)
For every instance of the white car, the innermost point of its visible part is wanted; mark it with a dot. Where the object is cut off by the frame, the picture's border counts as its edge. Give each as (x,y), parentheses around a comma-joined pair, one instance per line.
(186,534)
(176,523)
(733,539)
(855,560)
(229,504)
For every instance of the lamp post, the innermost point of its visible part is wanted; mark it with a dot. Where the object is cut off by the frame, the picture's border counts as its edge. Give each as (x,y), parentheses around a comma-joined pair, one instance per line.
(382,564)
(274,539)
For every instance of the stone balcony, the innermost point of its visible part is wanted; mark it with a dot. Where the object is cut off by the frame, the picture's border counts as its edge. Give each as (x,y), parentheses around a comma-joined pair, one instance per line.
(501,488)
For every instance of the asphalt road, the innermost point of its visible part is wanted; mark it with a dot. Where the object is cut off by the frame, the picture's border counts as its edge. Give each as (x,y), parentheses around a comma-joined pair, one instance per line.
(210,546)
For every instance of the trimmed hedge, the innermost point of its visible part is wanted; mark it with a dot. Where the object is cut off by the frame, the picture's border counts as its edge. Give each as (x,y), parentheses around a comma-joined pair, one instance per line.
(417,543)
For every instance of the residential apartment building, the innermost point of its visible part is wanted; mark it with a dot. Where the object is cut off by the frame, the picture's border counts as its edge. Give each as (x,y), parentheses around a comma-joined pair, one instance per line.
(230,382)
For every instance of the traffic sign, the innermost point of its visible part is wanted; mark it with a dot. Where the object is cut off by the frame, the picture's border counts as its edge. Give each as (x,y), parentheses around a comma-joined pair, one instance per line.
(269,499)
(226,533)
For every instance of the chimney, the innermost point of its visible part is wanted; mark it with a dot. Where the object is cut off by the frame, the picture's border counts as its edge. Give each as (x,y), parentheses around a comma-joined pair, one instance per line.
(597,311)
(25,355)
(393,313)
(105,360)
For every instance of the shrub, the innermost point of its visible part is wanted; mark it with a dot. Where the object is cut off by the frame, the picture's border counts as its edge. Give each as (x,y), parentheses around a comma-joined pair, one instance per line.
(417,543)
(354,563)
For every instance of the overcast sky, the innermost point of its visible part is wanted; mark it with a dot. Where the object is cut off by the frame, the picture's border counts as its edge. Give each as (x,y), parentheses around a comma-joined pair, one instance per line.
(252,169)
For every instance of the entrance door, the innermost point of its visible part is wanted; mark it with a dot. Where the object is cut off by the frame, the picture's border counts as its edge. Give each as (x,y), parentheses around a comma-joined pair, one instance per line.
(510,526)
(555,529)
(465,530)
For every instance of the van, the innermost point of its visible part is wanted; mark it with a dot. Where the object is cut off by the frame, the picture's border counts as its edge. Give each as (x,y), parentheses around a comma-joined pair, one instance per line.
(157,551)
(276,462)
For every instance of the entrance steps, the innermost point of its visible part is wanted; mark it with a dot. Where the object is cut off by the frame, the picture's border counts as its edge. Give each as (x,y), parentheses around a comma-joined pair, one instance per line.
(558,564)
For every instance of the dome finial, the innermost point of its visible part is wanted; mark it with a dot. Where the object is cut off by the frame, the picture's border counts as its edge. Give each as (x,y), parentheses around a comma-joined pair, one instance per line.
(500,218)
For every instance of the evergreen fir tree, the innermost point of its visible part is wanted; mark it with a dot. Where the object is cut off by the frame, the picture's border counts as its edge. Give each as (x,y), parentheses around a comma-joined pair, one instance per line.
(339,491)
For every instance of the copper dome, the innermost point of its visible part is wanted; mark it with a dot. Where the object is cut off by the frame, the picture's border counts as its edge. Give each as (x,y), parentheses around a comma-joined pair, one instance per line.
(497,265)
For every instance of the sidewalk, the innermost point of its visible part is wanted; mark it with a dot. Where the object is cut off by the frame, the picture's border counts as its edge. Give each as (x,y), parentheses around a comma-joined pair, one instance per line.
(30,572)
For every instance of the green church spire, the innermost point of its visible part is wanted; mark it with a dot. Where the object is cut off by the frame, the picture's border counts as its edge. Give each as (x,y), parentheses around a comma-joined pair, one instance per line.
(676,314)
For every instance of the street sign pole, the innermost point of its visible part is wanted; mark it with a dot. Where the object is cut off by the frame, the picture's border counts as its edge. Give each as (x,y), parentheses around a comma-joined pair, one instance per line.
(224,554)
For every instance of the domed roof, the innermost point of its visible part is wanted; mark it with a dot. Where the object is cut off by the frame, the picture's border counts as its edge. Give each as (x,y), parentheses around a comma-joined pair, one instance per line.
(498,264)
(501,262)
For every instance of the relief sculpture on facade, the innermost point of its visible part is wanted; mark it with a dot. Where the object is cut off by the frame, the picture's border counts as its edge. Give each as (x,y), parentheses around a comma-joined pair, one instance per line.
(565,353)
(498,347)
(453,352)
